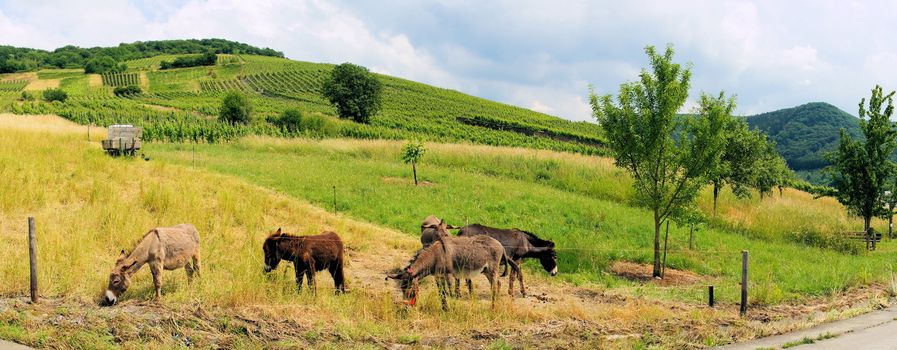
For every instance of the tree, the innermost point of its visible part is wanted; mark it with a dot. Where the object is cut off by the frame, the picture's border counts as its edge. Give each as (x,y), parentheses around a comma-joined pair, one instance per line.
(55,95)
(668,156)
(860,168)
(412,152)
(354,91)
(103,65)
(739,161)
(770,171)
(126,90)
(235,108)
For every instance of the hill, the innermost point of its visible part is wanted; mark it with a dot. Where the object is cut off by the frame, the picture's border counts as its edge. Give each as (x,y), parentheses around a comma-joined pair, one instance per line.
(803,134)
(182,105)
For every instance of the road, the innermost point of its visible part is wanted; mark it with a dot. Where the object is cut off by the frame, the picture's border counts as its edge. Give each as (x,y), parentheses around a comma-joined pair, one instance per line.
(5,345)
(876,330)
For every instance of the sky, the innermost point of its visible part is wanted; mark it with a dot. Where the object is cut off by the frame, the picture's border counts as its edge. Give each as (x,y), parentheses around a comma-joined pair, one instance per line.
(541,55)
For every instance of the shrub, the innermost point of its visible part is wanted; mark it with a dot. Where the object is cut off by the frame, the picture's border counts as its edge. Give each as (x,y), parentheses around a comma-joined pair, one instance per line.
(127,90)
(55,95)
(27,96)
(235,109)
(290,120)
(207,59)
(104,65)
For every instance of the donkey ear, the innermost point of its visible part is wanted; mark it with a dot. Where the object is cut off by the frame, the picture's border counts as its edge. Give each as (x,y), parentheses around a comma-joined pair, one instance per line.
(395,276)
(278,232)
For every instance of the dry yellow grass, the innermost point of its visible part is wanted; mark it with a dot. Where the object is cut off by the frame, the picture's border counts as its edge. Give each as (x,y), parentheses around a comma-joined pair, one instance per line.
(94,80)
(19,76)
(42,84)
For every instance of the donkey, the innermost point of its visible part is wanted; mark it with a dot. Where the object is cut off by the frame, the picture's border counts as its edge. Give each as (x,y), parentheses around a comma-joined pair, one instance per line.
(462,257)
(309,254)
(429,230)
(168,248)
(518,245)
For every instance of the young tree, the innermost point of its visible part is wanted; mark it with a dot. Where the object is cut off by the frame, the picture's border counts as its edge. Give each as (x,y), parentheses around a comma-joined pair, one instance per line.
(235,108)
(738,164)
(290,120)
(412,152)
(354,91)
(860,168)
(56,94)
(668,156)
(770,171)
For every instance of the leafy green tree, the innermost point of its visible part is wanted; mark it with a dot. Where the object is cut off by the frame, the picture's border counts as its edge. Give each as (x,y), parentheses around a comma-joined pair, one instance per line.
(739,161)
(770,171)
(860,168)
(354,91)
(412,152)
(55,95)
(235,108)
(667,156)
(103,65)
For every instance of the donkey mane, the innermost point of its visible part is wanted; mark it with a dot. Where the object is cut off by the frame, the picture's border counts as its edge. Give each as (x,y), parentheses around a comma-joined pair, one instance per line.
(535,240)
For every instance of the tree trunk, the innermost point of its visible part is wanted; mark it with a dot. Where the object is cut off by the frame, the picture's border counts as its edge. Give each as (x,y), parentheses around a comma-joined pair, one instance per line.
(890,225)
(715,195)
(414,169)
(867,221)
(657,223)
(781,192)
(666,239)
(691,237)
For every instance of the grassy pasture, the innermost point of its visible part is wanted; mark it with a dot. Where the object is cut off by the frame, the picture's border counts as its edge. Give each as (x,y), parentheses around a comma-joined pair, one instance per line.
(580,202)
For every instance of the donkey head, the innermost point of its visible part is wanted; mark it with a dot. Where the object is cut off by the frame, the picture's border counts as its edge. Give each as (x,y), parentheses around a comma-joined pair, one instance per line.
(272,254)
(548,257)
(407,283)
(119,280)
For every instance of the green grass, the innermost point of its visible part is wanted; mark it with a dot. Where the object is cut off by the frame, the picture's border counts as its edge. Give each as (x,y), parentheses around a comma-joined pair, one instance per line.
(591,226)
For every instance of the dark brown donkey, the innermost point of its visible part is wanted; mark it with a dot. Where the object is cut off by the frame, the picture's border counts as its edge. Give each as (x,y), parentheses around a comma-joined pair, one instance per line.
(309,254)
(518,245)
(462,257)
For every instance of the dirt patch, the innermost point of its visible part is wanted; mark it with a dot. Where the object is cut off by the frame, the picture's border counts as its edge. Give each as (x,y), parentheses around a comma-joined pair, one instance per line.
(144,81)
(643,272)
(42,84)
(161,108)
(404,181)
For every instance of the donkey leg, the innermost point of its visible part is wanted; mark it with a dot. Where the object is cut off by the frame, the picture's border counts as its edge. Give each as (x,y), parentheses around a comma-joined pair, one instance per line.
(189,268)
(519,270)
(490,275)
(470,287)
(156,269)
(511,282)
(196,263)
(442,292)
(339,281)
(310,275)
(299,270)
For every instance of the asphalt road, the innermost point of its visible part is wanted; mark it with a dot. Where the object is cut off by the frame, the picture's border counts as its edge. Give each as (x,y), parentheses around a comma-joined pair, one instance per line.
(876,330)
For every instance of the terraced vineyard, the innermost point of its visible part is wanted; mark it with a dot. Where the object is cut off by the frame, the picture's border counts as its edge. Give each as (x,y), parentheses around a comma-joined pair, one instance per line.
(12,85)
(121,79)
(191,97)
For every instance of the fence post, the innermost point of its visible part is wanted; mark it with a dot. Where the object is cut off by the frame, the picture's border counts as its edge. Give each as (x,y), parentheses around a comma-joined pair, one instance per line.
(32,255)
(744,282)
(334,199)
(710,300)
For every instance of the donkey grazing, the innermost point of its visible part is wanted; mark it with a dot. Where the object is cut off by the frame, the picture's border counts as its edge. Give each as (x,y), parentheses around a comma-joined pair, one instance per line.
(309,254)
(518,245)
(462,257)
(168,248)
(429,229)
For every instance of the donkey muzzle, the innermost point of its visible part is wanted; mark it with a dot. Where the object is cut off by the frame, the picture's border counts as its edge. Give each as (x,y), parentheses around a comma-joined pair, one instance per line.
(554,271)
(109,299)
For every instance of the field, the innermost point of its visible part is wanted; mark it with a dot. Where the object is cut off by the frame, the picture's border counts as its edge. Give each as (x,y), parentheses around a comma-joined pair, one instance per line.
(410,110)
(88,203)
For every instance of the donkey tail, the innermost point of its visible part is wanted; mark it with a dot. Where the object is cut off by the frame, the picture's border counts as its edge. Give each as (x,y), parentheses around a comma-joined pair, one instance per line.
(507,261)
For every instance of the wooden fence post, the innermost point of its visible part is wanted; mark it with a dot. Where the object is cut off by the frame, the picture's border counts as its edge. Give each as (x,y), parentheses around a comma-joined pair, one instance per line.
(32,254)
(744,282)
(334,199)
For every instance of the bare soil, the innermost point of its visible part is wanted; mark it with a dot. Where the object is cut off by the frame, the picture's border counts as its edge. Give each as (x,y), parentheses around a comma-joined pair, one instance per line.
(644,272)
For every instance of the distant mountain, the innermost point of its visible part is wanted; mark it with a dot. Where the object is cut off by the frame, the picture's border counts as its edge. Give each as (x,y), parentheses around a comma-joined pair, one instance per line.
(803,134)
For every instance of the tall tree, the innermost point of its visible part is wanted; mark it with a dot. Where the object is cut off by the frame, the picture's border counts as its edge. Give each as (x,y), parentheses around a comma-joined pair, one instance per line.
(860,168)
(667,155)
(770,170)
(354,91)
